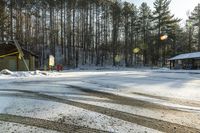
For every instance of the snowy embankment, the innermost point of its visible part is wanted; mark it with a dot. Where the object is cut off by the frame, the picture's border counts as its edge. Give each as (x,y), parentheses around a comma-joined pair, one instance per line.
(7,74)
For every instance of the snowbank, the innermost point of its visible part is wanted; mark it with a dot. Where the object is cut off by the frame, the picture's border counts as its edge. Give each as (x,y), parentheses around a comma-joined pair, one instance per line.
(9,74)
(6,72)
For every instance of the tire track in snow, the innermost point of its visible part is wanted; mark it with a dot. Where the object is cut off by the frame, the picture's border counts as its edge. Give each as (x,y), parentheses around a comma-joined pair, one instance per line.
(127,100)
(152,123)
(172,100)
(179,101)
(46,124)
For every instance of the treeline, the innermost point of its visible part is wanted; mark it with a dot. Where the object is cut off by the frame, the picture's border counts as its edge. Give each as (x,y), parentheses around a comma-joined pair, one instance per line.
(98,32)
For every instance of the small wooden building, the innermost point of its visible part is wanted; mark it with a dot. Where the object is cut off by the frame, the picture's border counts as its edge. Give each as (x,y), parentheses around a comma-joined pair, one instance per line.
(185,61)
(9,58)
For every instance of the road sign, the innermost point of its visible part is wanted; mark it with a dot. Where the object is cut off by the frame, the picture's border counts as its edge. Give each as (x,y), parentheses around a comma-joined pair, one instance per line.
(51,60)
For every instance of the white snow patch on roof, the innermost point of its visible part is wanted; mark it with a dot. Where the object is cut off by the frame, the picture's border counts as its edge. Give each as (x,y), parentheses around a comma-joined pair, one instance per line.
(186,56)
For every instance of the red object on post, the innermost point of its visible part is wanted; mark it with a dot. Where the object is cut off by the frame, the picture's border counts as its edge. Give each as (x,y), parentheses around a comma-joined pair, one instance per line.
(59,67)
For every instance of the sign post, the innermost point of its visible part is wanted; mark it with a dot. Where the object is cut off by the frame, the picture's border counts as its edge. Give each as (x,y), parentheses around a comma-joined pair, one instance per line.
(51,61)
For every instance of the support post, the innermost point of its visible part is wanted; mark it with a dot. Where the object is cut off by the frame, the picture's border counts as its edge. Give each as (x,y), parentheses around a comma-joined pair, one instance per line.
(170,64)
(21,54)
(17,61)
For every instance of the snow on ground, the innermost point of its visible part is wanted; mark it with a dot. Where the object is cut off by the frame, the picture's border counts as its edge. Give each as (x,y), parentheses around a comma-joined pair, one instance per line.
(6,127)
(181,83)
(174,118)
(130,83)
(6,74)
(56,111)
(176,84)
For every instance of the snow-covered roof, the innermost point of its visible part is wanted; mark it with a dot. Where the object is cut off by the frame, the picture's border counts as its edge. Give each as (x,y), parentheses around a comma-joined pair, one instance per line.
(186,56)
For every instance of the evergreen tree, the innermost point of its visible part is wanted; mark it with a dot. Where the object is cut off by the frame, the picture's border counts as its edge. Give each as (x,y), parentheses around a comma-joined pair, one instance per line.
(3,20)
(145,26)
(162,19)
(195,17)
(96,32)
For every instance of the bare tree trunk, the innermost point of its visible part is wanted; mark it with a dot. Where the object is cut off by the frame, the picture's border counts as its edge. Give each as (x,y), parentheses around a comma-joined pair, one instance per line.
(11,19)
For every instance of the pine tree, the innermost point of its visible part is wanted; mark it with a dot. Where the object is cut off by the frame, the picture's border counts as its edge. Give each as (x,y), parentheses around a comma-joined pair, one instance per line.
(195,17)
(144,18)
(116,18)
(3,19)
(162,19)
(94,32)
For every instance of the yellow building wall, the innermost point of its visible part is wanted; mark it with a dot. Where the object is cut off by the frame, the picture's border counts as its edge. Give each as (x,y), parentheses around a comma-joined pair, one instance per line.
(32,63)
(22,66)
(10,63)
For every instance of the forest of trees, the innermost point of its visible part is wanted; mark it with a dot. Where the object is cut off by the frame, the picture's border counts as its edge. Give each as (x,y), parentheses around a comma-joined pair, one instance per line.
(99,32)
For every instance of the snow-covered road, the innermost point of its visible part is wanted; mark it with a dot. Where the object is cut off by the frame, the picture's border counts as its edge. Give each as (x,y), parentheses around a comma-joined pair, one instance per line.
(101,101)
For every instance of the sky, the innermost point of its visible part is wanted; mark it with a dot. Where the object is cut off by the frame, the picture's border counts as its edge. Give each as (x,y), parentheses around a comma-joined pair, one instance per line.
(178,7)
